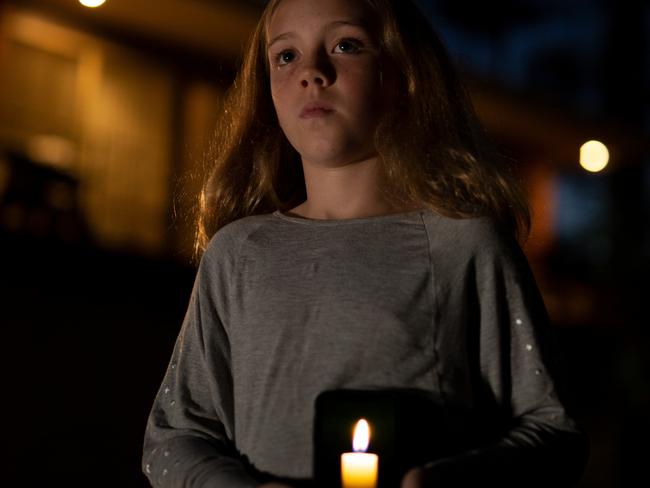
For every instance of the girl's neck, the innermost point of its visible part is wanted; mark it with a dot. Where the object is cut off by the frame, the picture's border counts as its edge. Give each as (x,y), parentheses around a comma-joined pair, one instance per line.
(344,192)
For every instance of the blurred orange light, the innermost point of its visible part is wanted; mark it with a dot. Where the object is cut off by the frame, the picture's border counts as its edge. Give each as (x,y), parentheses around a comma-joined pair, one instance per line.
(92,3)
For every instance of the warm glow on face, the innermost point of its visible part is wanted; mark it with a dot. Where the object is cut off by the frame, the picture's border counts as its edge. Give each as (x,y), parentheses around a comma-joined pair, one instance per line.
(361,437)
(92,3)
(307,64)
(594,156)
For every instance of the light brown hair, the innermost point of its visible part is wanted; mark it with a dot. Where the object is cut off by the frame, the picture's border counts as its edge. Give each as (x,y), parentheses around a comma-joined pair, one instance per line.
(431,145)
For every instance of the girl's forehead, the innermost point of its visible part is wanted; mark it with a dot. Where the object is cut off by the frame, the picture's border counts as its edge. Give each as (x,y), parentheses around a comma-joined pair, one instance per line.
(289,15)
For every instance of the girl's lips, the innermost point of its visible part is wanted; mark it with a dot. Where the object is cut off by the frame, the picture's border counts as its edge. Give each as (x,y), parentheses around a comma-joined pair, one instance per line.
(315,112)
(315,109)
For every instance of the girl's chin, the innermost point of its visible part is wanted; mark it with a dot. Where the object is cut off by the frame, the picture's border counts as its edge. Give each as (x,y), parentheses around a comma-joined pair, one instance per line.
(335,153)
(335,160)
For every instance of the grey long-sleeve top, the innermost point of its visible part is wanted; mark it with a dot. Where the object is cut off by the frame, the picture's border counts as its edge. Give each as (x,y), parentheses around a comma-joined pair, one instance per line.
(284,308)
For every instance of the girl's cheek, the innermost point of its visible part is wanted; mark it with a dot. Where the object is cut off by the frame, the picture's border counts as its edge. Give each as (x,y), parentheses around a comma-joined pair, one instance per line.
(278,93)
(279,82)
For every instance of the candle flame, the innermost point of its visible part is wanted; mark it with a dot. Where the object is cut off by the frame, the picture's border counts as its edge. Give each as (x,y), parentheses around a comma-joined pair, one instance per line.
(361,437)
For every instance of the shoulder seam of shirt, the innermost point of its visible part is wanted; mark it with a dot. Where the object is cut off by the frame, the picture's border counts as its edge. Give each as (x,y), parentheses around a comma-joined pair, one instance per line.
(434,302)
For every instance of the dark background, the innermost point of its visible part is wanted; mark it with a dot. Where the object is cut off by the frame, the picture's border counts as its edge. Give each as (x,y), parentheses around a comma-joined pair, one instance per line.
(90,305)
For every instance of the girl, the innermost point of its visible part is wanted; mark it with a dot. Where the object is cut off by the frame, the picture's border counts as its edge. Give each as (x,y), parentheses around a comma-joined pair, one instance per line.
(355,233)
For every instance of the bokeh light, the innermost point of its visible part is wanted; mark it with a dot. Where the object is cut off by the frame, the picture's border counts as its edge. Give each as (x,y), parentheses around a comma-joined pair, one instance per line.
(594,156)
(92,3)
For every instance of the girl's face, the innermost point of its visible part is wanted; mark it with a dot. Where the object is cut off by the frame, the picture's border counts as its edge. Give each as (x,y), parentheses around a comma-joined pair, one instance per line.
(325,78)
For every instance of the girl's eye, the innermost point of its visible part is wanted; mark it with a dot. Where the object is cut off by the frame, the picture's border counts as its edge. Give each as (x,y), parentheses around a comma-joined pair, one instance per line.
(284,57)
(348,46)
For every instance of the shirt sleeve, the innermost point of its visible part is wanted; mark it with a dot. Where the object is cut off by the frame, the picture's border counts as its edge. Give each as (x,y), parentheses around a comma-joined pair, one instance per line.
(519,384)
(188,437)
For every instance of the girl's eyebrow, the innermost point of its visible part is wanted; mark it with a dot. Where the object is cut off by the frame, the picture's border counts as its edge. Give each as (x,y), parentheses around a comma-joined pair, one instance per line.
(329,26)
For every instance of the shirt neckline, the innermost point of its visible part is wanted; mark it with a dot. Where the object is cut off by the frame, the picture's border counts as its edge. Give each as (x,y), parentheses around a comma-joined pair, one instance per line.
(356,220)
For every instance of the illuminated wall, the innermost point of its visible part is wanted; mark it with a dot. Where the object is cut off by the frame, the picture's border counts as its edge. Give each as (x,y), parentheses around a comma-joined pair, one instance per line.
(103,113)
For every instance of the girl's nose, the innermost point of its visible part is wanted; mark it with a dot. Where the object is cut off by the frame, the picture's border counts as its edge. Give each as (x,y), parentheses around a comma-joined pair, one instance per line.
(315,77)
(317,71)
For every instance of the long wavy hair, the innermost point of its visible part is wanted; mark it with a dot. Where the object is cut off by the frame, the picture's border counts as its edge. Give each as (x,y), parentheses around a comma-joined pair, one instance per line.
(433,150)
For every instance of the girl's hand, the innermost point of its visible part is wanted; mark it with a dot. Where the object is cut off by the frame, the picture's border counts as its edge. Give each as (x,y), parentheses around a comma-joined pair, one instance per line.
(413,478)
